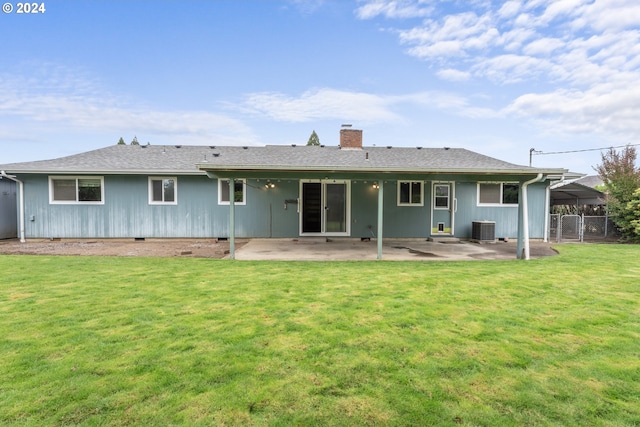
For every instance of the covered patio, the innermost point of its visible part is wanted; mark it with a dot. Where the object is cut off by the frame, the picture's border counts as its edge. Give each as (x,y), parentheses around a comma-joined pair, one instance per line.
(349,249)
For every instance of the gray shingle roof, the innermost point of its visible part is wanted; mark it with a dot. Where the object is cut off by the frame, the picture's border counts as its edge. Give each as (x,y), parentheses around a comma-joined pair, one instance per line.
(188,159)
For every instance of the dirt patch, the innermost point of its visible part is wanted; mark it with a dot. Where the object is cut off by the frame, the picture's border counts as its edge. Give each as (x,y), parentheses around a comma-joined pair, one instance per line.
(195,248)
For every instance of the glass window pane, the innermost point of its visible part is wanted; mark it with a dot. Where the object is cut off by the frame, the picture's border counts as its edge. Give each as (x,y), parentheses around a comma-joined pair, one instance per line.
(442,190)
(64,190)
(442,202)
(224,190)
(404,192)
(238,192)
(489,193)
(510,194)
(416,192)
(89,190)
(169,190)
(441,198)
(156,190)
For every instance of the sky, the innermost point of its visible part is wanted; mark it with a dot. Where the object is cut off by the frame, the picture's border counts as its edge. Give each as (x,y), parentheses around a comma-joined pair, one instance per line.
(497,77)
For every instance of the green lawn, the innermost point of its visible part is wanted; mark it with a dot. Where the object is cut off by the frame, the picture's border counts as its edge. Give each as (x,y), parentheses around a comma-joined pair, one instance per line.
(143,341)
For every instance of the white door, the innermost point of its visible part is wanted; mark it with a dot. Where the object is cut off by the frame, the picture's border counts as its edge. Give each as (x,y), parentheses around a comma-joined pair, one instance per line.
(443,207)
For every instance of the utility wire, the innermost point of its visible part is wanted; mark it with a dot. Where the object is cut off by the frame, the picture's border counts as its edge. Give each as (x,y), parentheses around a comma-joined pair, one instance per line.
(542,153)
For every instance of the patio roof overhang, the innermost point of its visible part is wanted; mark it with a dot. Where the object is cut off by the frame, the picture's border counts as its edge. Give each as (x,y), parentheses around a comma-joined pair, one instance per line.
(321,172)
(523,175)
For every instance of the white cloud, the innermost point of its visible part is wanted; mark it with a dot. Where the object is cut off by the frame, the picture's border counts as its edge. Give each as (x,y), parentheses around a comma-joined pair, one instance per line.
(453,75)
(558,55)
(601,109)
(64,98)
(392,9)
(543,46)
(321,104)
(611,15)
(509,9)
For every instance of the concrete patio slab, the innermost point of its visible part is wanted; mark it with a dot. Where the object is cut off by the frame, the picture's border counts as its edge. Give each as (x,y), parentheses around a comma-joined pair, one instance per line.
(346,249)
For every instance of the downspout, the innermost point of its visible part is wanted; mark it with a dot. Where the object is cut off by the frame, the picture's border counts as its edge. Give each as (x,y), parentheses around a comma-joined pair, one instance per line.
(547,212)
(525,215)
(21,192)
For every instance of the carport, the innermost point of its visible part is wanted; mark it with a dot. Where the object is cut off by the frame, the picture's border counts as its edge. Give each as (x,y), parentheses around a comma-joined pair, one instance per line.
(579,211)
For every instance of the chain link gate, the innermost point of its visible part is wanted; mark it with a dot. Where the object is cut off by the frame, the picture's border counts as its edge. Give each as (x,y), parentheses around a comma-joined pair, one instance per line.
(580,227)
(571,227)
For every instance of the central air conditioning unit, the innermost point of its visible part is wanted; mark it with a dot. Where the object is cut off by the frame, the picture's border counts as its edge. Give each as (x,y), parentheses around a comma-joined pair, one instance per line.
(483,231)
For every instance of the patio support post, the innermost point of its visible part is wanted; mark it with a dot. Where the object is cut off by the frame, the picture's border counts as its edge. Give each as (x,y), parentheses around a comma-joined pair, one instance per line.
(547,212)
(380,207)
(232,220)
(520,240)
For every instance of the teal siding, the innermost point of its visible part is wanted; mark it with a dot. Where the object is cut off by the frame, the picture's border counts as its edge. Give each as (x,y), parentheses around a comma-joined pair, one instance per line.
(126,212)
(405,221)
(505,217)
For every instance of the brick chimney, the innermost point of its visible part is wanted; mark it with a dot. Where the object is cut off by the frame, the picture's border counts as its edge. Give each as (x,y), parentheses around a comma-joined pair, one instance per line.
(350,139)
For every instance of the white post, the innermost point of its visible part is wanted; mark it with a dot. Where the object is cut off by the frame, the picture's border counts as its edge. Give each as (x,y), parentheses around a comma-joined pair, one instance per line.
(232,221)
(380,216)
(525,216)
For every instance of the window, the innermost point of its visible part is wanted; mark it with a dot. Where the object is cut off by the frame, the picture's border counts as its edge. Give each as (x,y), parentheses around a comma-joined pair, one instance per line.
(163,190)
(238,192)
(441,196)
(490,193)
(410,193)
(76,190)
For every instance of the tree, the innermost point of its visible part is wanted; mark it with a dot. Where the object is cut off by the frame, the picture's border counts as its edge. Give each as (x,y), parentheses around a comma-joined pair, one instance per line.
(313,139)
(621,179)
(121,141)
(135,141)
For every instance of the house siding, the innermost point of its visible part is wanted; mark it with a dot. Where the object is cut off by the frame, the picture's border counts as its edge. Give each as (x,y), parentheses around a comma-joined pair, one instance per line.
(505,217)
(126,212)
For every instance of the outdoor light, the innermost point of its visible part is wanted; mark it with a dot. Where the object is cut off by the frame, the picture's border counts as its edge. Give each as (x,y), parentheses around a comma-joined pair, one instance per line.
(375,185)
(269,184)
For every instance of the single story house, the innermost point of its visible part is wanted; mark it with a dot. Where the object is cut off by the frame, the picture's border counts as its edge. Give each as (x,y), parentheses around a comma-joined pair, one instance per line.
(349,190)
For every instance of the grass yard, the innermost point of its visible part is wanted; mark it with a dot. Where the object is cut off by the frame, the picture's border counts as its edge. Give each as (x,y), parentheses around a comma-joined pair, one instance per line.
(144,341)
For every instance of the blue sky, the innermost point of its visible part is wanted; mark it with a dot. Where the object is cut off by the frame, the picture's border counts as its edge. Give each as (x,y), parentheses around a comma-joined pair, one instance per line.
(494,77)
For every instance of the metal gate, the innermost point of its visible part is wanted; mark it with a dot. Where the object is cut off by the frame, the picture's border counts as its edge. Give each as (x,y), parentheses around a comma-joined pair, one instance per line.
(580,227)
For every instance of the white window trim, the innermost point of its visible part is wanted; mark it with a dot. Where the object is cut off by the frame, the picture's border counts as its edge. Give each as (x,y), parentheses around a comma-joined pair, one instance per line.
(449,198)
(244,192)
(399,203)
(75,202)
(175,190)
(501,184)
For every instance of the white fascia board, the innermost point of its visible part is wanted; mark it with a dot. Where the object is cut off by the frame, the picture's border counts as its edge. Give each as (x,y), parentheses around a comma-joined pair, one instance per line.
(478,171)
(108,171)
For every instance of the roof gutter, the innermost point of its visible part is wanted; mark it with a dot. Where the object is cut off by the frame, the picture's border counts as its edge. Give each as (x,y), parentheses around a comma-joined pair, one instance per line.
(226,169)
(3,174)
